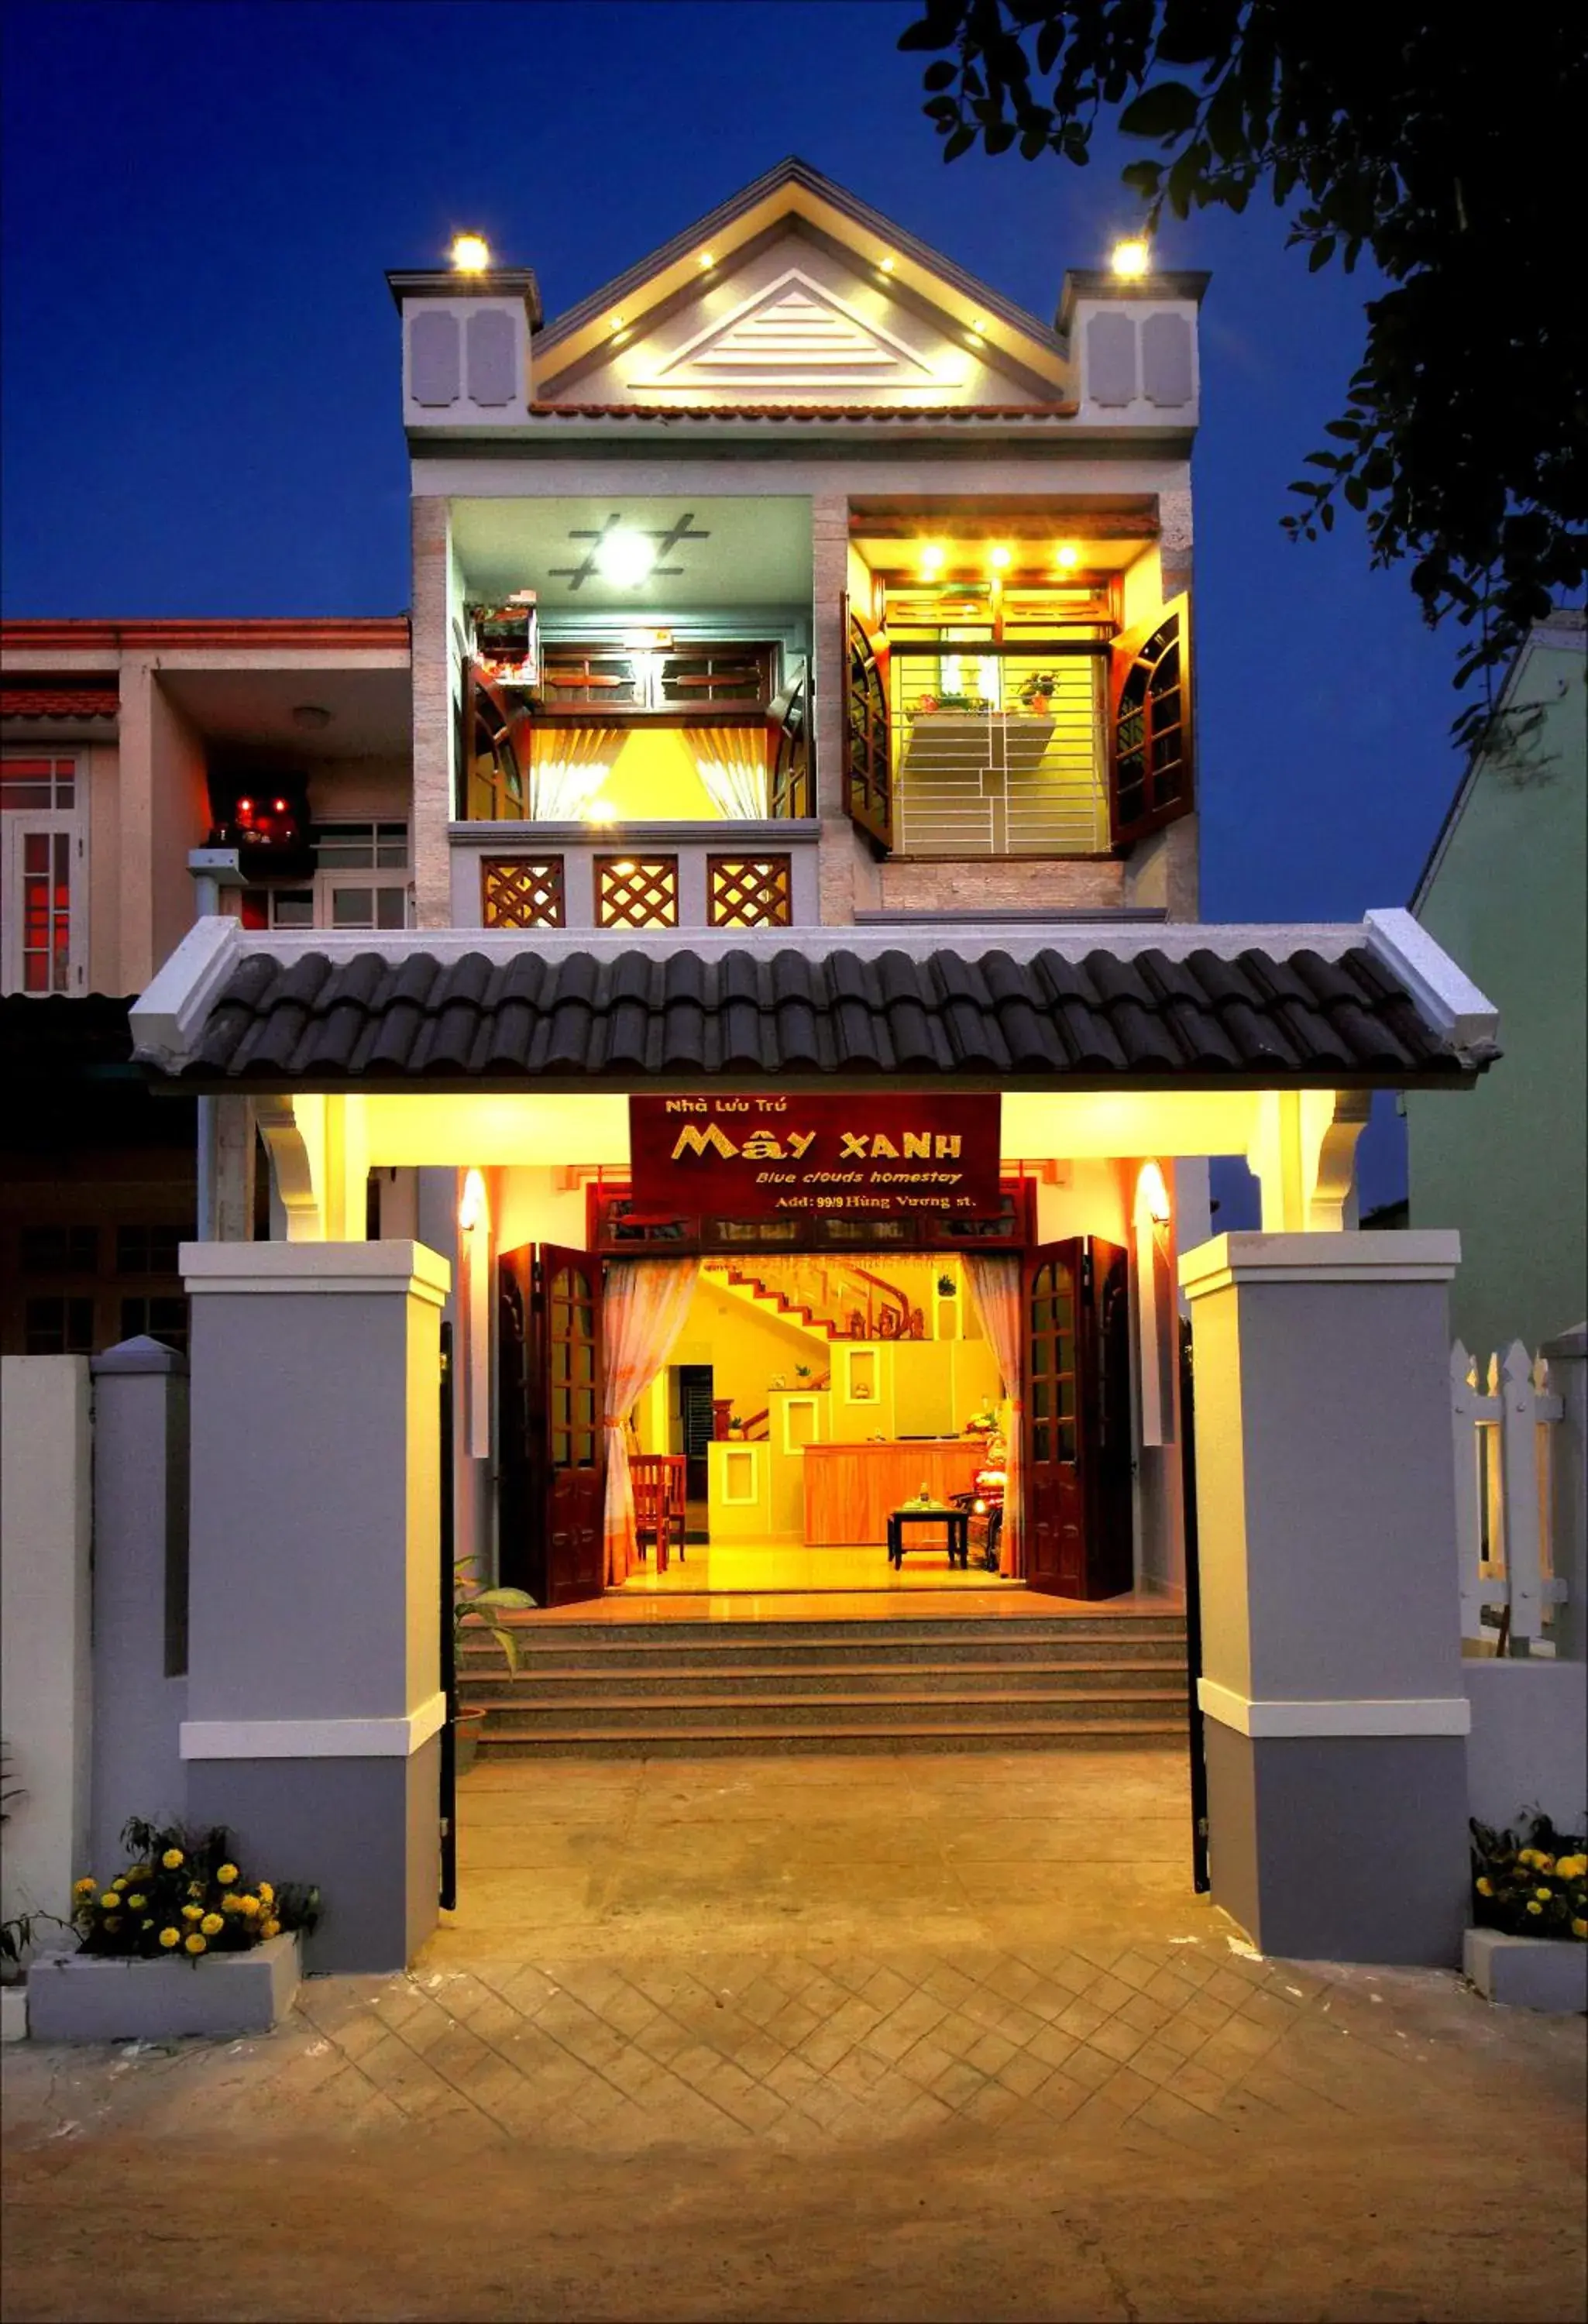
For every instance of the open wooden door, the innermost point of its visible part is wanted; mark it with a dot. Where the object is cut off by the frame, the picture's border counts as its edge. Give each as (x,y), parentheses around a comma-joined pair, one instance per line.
(552,1479)
(868,770)
(1076,1479)
(1151,772)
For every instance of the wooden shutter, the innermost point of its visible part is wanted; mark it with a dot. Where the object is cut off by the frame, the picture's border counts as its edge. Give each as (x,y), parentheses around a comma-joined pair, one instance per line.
(1149,774)
(868,775)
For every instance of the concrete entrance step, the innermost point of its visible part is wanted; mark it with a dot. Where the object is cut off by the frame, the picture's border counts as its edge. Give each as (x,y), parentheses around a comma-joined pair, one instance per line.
(611,1711)
(611,1645)
(550,1684)
(735,1742)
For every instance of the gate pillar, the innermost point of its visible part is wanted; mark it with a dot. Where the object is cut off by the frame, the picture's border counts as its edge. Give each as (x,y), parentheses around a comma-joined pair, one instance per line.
(1334,1718)
(314,1706)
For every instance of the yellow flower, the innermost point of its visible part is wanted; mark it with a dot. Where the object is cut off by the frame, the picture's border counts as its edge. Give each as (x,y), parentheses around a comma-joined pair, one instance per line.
(194,1943)
(249,1904)
(1543,1863)
(171,1858)
(1485,1887)
(231,1903)
(273,1927)
(1535,1908)
(168,1936)
(212,1924)
(110,1900)
(119,1883)
(1571,1868)
(85,1887)
(138,1872)
(267,1895)
(192,1912)
(1543,1895)
(136,1903)
(227,1874)
(1580,1928)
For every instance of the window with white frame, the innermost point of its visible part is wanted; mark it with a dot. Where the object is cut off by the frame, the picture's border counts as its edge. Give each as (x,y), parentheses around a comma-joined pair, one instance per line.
(360,882)
(44,869)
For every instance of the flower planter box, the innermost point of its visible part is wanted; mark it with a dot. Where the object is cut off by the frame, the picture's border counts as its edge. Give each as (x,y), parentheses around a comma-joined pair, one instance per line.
(1528,1972)
(87,1997)
(14,2012)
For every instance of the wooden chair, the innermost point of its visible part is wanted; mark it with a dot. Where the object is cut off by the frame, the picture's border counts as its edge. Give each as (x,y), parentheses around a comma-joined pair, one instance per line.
(659,1502)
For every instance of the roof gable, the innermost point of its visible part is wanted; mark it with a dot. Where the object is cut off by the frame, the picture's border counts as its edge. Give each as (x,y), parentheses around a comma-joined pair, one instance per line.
(796,290)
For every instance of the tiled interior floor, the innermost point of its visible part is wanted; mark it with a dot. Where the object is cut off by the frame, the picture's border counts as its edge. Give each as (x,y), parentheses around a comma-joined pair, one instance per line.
(927,1595)
(768,1566)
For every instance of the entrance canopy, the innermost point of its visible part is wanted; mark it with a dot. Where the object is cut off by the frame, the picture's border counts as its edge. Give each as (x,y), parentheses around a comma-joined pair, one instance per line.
(1055,1006)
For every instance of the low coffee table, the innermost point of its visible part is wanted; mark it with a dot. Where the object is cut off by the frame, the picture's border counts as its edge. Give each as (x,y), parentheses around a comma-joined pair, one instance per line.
(957,1522)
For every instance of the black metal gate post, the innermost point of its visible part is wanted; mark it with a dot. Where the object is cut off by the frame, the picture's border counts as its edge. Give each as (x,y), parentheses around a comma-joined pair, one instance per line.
(1200,1880)
(448,1655)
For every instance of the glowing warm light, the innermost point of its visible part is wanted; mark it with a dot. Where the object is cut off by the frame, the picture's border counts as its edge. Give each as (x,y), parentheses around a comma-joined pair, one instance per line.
(616,321)
(245,806)
(599,811)
(931,561)
(471,1210)
(280,807)
(1152,1194)
(706,261)
(623,869)
(1000,559)
(1067,558)
(978,326)
(1131,259)
(470,254)
(885,265)
(625,559)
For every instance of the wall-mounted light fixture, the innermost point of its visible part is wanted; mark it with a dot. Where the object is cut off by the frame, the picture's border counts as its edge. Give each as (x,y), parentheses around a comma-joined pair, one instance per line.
(1131,259)
(885,265)
(470,254)
(471,1207)
(1000,558)
(931,560)
(1153,1194)
(708,261)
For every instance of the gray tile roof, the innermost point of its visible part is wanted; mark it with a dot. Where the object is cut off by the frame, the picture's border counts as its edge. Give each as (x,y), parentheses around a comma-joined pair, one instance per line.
(1150,1017)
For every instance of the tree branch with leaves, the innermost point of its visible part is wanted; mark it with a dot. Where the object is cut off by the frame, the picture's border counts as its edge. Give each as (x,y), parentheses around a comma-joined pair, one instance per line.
(1445,149)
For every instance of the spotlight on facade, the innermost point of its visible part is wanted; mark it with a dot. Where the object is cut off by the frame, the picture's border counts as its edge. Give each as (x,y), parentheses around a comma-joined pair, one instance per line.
(471,1208)
(470,254)
(1152,1194)
(625,559)
(1131,259)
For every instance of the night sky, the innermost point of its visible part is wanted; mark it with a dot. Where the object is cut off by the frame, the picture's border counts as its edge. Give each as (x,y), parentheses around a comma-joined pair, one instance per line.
(200,356)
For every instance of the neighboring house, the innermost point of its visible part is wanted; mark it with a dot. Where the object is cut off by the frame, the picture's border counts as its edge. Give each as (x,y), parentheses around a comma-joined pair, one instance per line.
(123,746)
(1505,890)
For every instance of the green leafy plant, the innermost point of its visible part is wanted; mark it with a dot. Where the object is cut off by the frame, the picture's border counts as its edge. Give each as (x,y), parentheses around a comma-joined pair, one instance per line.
(1534,1884)
(183,1895)
(473,1606)
(1038,687)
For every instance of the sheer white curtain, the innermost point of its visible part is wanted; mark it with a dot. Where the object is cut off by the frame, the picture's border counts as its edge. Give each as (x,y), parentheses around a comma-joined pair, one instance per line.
(568,768)
(731,761)
(995,1286)
(642,1314)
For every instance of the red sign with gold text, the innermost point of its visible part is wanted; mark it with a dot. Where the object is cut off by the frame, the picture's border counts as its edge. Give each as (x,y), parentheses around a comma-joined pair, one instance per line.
(752,1157)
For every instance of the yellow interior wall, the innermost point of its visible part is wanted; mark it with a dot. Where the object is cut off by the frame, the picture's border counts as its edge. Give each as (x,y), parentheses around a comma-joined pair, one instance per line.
(654,781)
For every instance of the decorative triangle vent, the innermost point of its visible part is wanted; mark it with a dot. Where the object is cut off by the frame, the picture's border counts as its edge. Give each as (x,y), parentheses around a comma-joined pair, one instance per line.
(794,333)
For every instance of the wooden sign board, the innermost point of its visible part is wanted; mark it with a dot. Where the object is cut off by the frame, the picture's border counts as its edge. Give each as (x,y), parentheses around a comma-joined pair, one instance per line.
(754,1157)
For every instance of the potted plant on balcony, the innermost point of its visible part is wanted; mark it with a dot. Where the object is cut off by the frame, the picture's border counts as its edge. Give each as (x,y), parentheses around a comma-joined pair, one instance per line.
(472,1607)
(1036,692)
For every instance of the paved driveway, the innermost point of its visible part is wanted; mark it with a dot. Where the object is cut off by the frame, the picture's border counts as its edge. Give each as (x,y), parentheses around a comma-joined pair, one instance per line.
(932,2037)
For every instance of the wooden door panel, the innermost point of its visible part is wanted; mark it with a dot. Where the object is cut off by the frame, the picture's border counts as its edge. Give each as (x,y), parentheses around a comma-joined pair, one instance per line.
(1110,1448)
(521,1537)
(1055,1506)
(568,1374)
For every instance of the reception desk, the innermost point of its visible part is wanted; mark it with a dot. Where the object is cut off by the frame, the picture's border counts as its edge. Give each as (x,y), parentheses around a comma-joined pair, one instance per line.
(849,1489)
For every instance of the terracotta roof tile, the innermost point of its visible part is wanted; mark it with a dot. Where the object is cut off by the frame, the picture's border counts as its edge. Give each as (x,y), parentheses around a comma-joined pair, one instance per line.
(18,701)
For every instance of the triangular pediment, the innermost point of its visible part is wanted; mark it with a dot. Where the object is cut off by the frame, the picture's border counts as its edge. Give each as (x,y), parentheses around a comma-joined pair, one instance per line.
(794,333)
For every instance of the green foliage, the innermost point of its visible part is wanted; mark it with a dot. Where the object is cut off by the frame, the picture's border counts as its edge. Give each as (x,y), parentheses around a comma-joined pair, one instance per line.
(183,1895)
(1450,156)
(1534,1885)
(472,1605)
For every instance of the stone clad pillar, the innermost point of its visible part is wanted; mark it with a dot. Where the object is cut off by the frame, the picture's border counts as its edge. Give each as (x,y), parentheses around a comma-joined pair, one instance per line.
(1334,1714)
(314,1706)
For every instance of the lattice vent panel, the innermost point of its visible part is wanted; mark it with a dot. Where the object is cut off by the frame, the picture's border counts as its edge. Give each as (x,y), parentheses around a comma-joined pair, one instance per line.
(750,891)
(524,891)
(636,891)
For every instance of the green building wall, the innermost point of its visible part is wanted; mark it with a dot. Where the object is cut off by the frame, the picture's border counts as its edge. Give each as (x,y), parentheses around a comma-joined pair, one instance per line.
(1506,893)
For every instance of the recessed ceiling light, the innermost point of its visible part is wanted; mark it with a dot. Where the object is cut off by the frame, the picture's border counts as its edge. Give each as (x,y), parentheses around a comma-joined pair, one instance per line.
(931,560)
(706,260)
(616,321)
(1065,555)
(625,559)
(470,254)
(310,717)
(1000,559)
(885,265)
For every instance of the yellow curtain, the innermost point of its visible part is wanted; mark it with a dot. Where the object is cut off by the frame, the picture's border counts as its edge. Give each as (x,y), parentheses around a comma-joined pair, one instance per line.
(641,1316)
(731,761)
(568,766)
(995,1286)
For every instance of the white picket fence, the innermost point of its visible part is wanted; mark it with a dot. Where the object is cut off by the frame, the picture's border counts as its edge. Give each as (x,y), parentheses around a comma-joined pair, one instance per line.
(1504,1428)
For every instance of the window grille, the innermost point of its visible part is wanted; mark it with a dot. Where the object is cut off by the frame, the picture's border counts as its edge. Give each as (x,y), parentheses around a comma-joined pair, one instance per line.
(524,891)
(636,891)
(750,891)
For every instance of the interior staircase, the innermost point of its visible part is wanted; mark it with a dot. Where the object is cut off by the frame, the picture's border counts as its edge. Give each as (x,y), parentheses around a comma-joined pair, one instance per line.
(822,1303)
(694,1688)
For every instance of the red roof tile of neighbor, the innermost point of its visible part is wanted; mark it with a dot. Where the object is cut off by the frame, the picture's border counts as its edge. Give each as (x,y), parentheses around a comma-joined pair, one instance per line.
(316,631)
(881,413)
(59,702)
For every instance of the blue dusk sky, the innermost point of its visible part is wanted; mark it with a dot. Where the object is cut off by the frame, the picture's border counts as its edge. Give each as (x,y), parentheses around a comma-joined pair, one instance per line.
(200,355)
